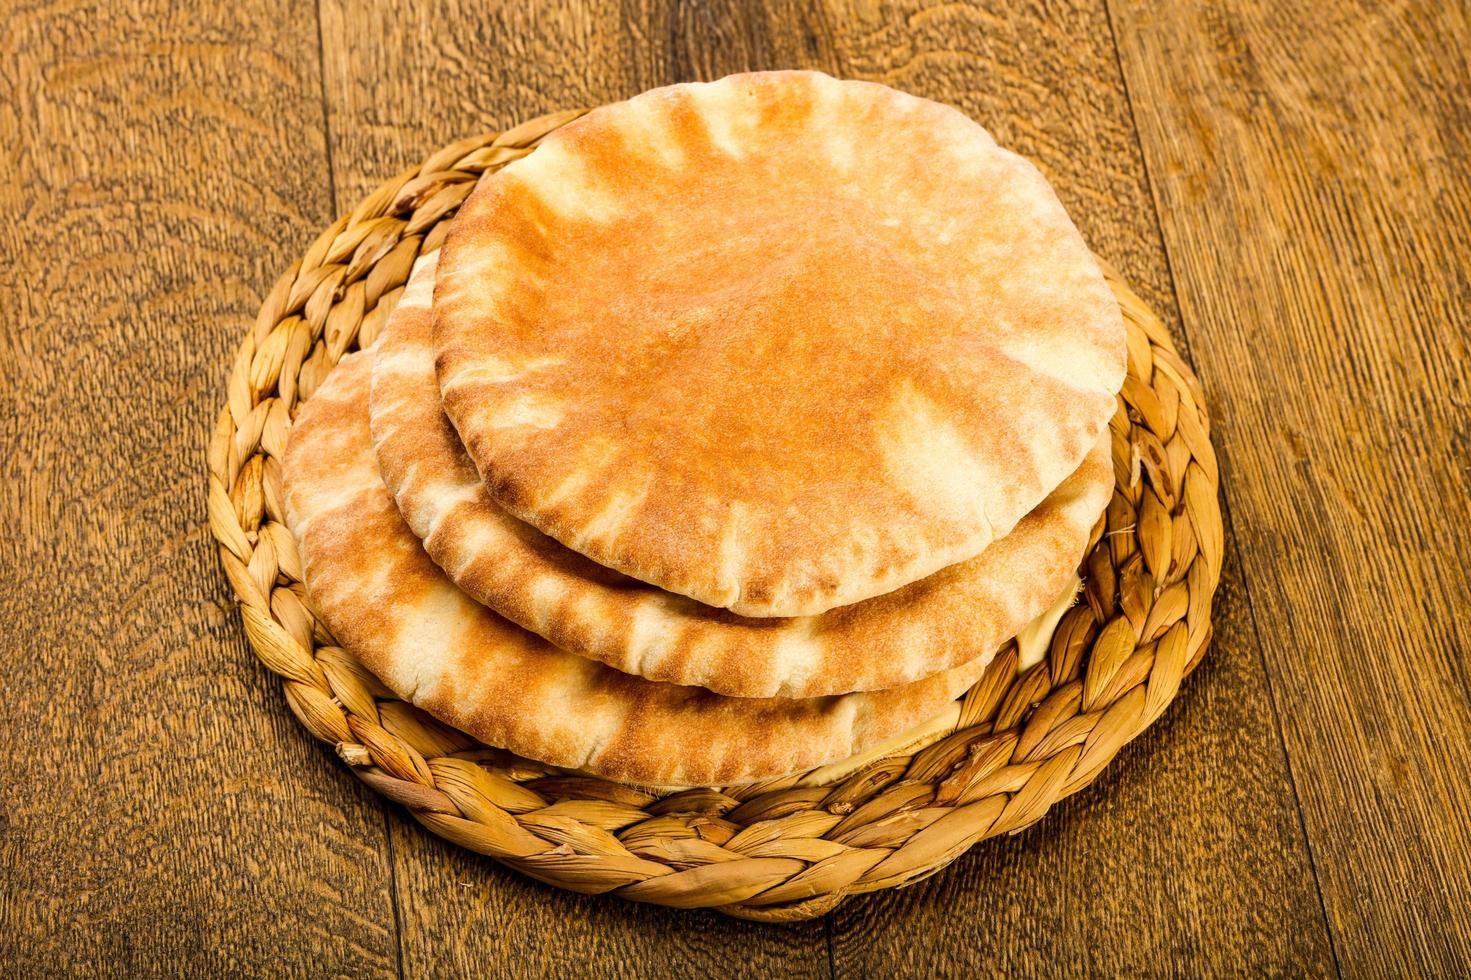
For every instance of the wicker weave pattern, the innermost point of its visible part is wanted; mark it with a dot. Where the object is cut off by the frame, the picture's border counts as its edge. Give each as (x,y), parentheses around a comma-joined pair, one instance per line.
(778,850)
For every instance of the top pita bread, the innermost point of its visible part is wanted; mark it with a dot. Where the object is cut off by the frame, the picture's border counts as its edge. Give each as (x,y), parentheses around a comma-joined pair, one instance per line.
(778,342)
(953,616)
(381,596)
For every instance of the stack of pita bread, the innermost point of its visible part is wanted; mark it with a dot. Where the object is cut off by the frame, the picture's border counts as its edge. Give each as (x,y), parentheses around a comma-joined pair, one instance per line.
(730,433)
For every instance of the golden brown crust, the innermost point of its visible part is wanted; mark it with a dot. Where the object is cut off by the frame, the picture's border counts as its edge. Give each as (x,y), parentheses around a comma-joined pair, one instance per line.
(778,343)
(379,593)
(949,618)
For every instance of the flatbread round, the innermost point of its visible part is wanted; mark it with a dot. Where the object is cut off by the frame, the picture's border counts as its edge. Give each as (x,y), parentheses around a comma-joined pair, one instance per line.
(779,343)
(382,597)
(955,615)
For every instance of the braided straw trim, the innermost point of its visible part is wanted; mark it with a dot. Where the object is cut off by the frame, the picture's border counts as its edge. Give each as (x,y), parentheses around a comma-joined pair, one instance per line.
(779,850)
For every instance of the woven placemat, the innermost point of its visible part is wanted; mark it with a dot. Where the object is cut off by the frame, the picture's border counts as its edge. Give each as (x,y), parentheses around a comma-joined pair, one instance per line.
(779,850)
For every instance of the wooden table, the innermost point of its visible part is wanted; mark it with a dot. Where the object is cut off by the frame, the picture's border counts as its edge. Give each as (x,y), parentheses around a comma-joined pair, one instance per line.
(1286,182)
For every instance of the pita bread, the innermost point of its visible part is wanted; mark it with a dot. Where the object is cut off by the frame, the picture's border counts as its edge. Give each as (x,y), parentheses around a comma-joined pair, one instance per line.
(381,596)
(955,615)
(779,343)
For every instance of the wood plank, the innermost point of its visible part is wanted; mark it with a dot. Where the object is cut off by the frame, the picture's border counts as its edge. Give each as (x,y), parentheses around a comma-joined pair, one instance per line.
(1310,165)
(401,82)
(1187,856)
(161,812)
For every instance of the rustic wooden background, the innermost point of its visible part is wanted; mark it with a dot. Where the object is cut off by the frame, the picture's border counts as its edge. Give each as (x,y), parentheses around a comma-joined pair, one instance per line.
(1287,182)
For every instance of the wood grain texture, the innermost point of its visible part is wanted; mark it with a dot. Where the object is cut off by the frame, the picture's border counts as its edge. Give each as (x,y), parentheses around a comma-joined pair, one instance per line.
(1310,167)
(1296,173)
(160,810)
(1142,872)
